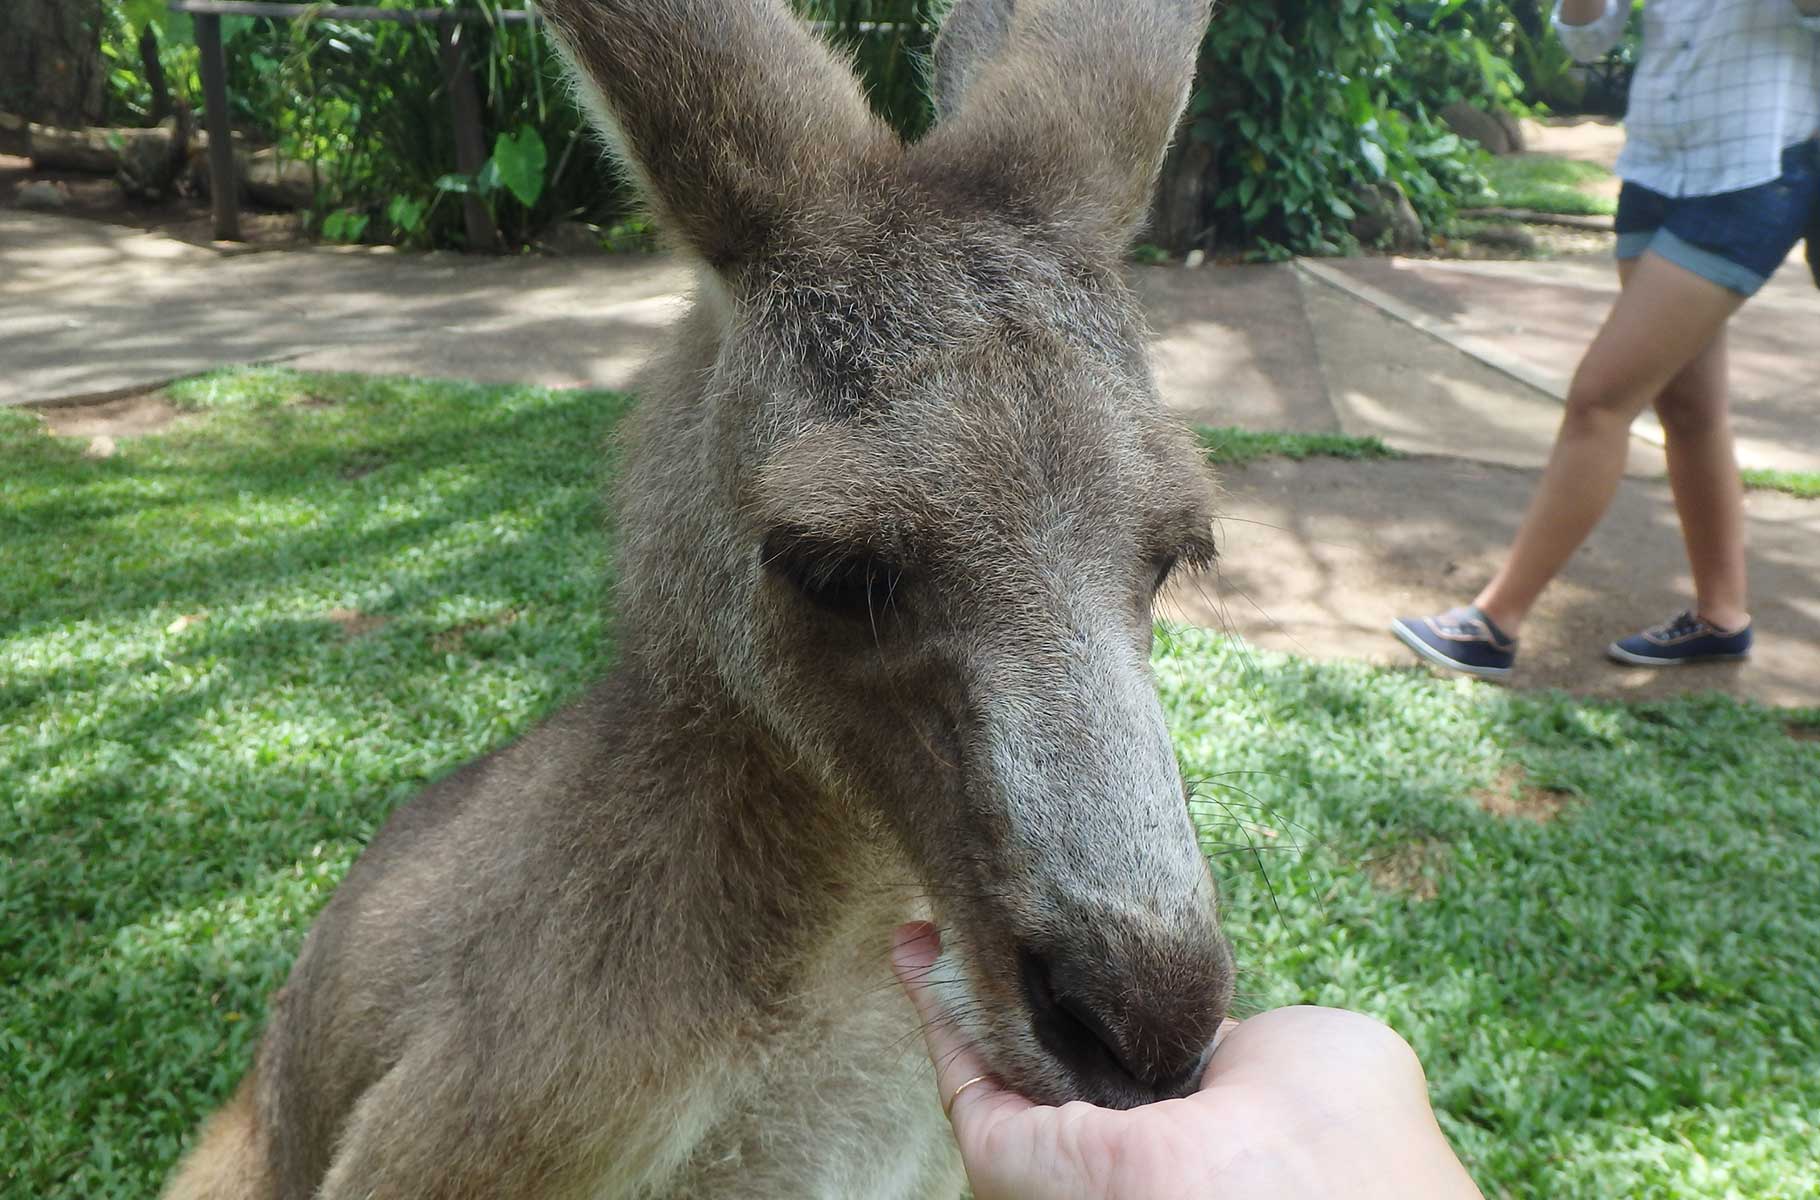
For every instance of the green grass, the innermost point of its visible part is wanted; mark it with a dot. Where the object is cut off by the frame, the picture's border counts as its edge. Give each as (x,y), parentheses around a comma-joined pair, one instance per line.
(1805,484)
(1232,446)
(1545,184)
(193,750)
(1616,1002)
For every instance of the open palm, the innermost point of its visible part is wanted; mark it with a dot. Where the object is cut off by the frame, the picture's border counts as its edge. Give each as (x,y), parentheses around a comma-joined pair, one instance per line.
(1298,1102)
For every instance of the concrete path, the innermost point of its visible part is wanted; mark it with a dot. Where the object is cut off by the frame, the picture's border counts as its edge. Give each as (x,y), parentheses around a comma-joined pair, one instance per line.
(1533,321)
(1317,556)
(92,310)
(1460,364)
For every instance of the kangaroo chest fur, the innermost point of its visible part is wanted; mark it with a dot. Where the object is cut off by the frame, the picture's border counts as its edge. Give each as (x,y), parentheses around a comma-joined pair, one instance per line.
(839,1103)
(632,1016)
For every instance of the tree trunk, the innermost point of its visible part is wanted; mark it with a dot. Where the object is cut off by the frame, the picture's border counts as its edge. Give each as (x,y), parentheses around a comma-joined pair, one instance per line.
(50,60)
(1180,217)
(154,74)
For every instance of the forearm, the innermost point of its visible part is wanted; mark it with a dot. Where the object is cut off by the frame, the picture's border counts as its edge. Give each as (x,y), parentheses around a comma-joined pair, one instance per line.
(1589,28)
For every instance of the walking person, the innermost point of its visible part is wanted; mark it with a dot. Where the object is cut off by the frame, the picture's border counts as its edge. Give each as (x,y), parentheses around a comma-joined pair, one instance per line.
(1721,172)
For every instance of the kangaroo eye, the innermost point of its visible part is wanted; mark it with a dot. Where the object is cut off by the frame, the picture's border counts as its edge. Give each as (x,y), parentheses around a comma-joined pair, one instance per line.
(845,580)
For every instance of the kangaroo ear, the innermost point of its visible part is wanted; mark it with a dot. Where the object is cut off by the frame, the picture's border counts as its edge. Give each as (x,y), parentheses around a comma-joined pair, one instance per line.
(739,125)
(972,34)
(1062,110)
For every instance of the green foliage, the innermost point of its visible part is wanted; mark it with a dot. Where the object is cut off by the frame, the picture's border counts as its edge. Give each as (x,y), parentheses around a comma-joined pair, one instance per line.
(345,225)
(1545,184)
(366,105)
(889,41)
(1456,50)
(1233,446)
(232,649)
(516,164)
(129,93)
(519,160)
(406,216)
(1306,102)
(1805,484)
(1519,33)
(1550,78)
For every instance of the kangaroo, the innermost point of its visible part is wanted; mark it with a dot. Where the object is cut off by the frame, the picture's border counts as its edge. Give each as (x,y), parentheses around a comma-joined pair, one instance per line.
(896,504)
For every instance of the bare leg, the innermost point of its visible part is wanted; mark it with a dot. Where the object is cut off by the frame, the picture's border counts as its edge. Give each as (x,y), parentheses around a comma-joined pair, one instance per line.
(1703,471)
(1664,319)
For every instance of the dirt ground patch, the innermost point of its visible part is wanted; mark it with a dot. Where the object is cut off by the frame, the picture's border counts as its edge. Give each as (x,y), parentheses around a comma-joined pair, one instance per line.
(1588,139)
(456,636)
(122,416)
(1481,240)
(186,218)
(1801,731)
(1513,797)
(1413,869)
(353,623)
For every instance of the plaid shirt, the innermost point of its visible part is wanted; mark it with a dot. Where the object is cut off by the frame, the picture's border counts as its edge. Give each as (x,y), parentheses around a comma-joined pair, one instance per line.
(1723,88)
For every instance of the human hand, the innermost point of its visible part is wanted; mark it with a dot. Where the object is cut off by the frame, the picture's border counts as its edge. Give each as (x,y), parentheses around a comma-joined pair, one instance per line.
(1297,1103)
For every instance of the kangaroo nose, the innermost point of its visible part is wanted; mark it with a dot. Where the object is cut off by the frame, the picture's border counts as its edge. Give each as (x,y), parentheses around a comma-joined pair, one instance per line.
(1124,1047)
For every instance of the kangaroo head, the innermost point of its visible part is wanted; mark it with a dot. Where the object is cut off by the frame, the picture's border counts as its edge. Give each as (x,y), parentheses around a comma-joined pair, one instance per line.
(907,491)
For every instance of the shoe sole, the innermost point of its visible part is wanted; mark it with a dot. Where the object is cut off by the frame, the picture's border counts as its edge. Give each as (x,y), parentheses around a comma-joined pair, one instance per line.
(1619,654)
(1408,637)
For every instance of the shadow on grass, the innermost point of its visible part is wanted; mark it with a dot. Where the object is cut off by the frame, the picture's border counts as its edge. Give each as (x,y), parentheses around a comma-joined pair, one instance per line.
(449,480)
(181,801)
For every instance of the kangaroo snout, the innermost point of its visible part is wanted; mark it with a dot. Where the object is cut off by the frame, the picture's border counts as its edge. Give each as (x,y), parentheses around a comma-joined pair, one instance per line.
(1128,1019)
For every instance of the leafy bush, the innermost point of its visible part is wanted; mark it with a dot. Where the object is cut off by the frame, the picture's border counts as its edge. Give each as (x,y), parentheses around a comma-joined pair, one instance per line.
(1459,50)
(366,105)
(1304,103)
(130,98)
(1307,101)
(1549,77)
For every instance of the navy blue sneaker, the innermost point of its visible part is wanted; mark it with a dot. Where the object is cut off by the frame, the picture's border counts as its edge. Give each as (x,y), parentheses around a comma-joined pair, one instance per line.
(1680,641)
(1460,639)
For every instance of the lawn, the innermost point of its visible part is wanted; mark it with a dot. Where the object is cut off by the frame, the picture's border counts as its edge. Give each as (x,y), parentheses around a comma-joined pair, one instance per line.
(1544,183)
(1805,484)
(226,652)
(1228,445)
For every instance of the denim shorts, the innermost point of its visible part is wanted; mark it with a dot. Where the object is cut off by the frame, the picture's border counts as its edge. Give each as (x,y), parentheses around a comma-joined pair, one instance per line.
(1736,239)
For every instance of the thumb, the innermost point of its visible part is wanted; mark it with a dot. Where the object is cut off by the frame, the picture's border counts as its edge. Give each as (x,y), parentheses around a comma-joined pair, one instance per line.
(968,1090)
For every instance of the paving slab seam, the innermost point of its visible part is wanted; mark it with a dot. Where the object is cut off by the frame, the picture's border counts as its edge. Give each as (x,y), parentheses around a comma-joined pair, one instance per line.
(1645,429)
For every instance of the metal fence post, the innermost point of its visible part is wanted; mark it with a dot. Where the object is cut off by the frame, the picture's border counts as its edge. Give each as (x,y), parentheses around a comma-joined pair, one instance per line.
(470,139)
(224,186)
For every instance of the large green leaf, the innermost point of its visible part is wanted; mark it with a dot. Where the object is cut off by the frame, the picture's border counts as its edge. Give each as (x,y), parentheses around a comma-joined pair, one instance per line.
(520,160)
(140,13)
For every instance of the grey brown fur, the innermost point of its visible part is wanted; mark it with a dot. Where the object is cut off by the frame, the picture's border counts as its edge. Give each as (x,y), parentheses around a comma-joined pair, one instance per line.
(892,518)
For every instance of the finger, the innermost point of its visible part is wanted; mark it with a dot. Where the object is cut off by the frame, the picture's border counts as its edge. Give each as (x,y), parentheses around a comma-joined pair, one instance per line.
(961,1076)
(1219,1037)
(915,950)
